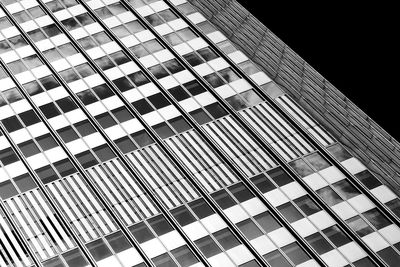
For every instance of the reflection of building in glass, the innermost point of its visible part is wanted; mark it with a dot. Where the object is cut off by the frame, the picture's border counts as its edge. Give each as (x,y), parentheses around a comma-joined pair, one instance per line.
(134,133)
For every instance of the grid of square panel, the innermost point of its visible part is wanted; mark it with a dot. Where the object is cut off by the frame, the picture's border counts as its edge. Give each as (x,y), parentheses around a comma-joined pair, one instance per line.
(197,101)
(383,193)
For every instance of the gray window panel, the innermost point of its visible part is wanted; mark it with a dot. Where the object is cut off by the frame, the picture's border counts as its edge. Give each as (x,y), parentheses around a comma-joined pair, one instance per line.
(66,104)
(183,215)
(67,134)
(267,222)
(184,256)
(24,182)
(276,259)
(160,225)
(201,208)
(329,196)
(226,239)
(141,232)
(390,256)
(359,226)
(307,205)
(263,183)
(301,167)
(164,260)
(317,161)
(290,212)
(336,236)
(46,142)
(86,159)
(29,148)
(249,229)
(7,190)
(345,189)
(295,253)
(54,262)
(394,205)
(118,242)
(99,250)
(319,243)
(208,246)
(75,258)
(339,152)
(365,262)
(368,179)
(376,218)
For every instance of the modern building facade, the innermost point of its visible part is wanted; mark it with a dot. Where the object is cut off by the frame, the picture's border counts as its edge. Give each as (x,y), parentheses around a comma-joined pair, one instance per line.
(136,133)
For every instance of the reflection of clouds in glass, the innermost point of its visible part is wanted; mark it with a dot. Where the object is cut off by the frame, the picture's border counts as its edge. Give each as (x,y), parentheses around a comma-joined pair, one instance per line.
(317,161)
(329,196)
(12,95)
(359,226)
(301,167)
(251,97)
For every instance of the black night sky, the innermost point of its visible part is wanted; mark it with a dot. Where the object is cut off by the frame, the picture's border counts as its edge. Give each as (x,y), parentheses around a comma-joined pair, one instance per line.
(354,47)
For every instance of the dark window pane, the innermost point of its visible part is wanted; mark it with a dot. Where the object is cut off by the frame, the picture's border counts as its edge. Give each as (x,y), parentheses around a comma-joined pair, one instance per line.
(184,256)
(207,54)
(84,128)
(251,263)
(368,179)
(214,80)
(46,142)
(163,130)
(236,102)
(75,258)
(365,262)
(33,88)
(87,97)
(141,232)
(226,239)
(201,208)
(139,51)
(125,144)
(276,259)
(66,104)
(208,246)
(64,167)
(317,161)
(50,110)
(194,88)
(336,236)
(267,222)
(251,97)
(376,218)
(173,66)
(183,215)
(359,226)
(105,63)
(319,243)
(249,229)
(7,189)
(200,116)
(24,182)
(55,262)
(179,124)
(345,189)
(69,75)
(301,167)
(105,120)
(295,253)
(7,156)
(290,212)
(103,91)
(173,39)
(390,256)
(216,110)
(240,192)
(29,148)
(158,101)
(142,106)
(329,196)
(142,138)
(86,159)
(135,26)
(167,15)
(193,59)
(122,114)
(394,205)
(158,71)
(118,242)
(263,183)
(160,225)
(307,205)
(49,82)
(279,176)
(99,250)
(67,134)
(12,124)
(123,84)
(154,19)
(223,199)
(46,174)
(164,260)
